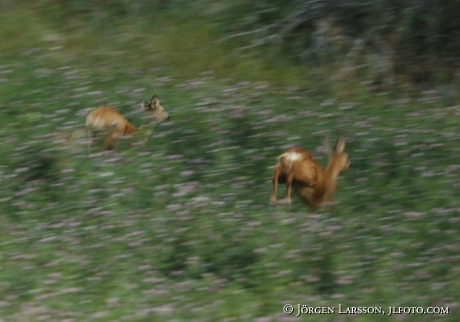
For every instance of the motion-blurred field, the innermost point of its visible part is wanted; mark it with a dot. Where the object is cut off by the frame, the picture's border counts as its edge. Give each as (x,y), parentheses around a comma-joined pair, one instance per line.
(181,229)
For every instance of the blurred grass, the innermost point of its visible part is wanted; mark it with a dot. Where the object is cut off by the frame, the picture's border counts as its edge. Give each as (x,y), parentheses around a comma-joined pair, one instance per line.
(181,230)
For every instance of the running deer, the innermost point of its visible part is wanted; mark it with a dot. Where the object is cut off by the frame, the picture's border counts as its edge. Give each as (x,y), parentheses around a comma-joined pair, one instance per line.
(314,185)
(114,125)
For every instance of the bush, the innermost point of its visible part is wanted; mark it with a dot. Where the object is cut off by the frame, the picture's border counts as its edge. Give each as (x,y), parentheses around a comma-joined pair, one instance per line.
(390,36)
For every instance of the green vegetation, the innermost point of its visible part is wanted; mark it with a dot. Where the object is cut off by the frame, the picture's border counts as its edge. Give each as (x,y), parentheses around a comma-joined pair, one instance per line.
(181,229)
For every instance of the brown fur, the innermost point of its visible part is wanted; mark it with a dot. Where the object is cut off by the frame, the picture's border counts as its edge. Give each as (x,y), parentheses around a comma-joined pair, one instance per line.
(314,185)
(115,125)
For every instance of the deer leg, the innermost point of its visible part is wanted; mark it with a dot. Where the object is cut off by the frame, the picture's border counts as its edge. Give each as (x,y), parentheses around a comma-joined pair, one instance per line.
(90,138)
(276,174)
(313,210)
(289,179)
(108,142)
(147,135)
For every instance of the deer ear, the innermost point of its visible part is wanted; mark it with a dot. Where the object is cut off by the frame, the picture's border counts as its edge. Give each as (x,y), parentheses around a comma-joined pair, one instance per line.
(326,145)
(145,105)
(154,101)
(339,146)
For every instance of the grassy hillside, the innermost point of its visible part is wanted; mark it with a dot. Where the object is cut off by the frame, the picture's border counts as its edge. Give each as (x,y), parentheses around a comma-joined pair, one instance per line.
(181,229)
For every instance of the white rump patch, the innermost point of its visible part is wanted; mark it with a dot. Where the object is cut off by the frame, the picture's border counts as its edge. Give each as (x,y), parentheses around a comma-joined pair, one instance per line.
(293,156)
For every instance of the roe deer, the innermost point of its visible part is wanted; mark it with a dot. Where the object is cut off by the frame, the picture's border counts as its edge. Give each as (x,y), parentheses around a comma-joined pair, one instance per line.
(298,169)
(115,125)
